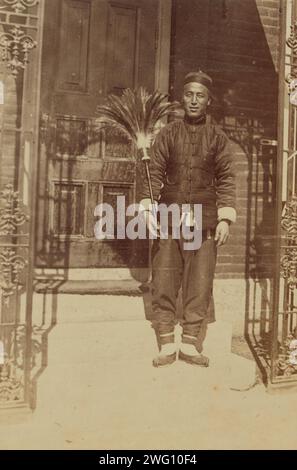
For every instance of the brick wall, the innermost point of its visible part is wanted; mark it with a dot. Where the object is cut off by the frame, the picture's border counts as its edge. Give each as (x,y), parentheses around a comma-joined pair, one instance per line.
(236,42)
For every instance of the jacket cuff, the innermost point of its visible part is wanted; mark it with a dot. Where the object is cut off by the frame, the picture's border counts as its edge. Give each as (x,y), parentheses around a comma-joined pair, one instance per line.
(146,204)
(228,213)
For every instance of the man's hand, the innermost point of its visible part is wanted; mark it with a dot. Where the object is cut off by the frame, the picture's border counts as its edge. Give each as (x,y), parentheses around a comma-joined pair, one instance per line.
(149,212)
(222,232)
(151,223)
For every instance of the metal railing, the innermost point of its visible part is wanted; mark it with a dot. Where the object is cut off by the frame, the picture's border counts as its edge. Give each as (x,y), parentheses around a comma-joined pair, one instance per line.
(284,324)
(272,333)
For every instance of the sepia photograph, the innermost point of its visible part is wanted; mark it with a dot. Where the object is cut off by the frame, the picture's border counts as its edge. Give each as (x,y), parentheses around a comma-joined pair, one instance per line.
(148,227)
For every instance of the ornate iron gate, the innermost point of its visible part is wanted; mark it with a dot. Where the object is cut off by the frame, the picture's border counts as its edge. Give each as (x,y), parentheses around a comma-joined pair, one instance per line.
(284,324)
(20,46)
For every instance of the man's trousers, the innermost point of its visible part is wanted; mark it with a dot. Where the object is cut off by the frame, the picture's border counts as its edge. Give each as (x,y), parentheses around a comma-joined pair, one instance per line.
(193,270)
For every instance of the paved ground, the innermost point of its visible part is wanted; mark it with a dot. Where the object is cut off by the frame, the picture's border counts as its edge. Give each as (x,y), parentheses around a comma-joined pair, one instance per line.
(170,409)
(99,391)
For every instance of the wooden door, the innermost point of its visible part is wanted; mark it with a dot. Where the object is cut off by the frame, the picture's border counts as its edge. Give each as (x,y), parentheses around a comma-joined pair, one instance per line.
(91,48)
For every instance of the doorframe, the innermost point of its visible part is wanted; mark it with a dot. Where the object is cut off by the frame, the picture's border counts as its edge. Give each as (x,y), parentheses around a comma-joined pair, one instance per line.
(161,82)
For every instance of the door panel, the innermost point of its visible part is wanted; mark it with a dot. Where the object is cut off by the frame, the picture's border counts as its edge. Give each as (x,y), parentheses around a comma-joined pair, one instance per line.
(73,59)
(122,47)
(91,48)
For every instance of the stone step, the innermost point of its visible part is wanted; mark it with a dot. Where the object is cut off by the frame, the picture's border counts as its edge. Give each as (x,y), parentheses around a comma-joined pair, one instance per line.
(75,308)
(92,287)
(91,274)
(51,306)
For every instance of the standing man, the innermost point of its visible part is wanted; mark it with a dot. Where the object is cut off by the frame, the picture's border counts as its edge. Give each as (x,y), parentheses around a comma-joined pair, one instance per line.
(191,164)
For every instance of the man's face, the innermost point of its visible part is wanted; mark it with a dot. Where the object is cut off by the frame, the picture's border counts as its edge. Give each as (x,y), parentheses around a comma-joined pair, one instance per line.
(195,99)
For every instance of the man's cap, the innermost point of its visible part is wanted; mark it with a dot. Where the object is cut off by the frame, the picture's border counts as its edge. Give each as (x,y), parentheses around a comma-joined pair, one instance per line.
(199,77)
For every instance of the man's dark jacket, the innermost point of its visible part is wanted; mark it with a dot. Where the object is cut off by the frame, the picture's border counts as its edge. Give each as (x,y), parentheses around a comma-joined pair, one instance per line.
(192,163)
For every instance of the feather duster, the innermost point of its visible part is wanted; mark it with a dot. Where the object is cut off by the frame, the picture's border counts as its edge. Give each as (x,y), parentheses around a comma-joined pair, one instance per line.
(137,115)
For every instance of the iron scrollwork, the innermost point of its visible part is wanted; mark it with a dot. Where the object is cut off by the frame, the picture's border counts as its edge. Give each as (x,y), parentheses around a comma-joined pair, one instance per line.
(11,214)
(289,259)
(19,6)
(10,386)
(289,220)
(287,361)
(11,266)
(289,268)
(292,39)
(16,43)
(291,78)
(20,22)
(15,47)
(13,361)
(12,263)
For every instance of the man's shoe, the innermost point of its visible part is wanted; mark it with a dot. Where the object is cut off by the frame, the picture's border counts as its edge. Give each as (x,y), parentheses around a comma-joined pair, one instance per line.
(164,360)
(197,360)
